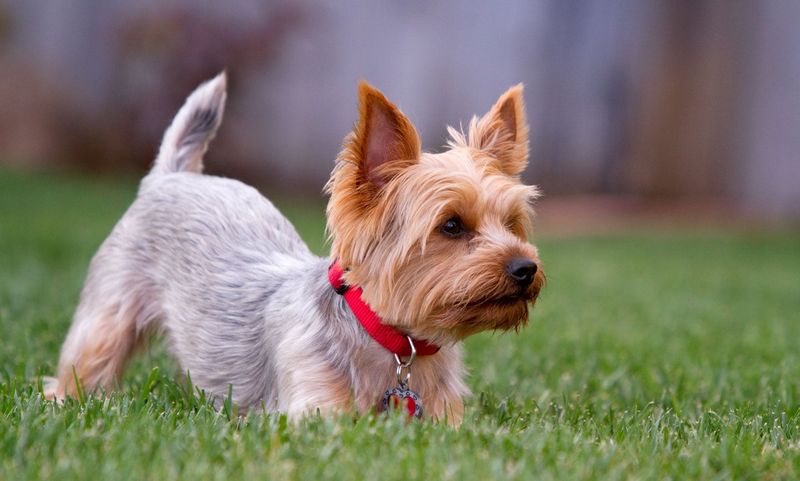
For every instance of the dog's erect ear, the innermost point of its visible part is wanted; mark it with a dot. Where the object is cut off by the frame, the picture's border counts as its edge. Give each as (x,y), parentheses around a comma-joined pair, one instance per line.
(503,132)
(384,141)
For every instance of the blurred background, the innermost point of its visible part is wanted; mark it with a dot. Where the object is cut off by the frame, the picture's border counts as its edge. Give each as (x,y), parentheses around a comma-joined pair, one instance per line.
(687,110)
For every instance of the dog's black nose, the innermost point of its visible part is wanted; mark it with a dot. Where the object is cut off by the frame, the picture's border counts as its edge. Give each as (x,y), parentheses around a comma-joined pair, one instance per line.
(521,270)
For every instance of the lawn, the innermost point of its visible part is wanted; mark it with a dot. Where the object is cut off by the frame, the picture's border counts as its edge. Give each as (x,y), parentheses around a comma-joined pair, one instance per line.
(651,355)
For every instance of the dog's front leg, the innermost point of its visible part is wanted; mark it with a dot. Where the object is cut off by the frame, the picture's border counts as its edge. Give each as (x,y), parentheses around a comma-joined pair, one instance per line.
(312,388)
(446,407)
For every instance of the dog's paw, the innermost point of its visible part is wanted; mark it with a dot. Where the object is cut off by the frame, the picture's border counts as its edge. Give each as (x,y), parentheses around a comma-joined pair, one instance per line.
(51,390)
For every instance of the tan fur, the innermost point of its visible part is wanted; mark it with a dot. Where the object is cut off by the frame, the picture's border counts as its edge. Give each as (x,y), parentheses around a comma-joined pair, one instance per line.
(320,388)
(503,132)
(434,287)
(437,379)
(99,360)
(104,358)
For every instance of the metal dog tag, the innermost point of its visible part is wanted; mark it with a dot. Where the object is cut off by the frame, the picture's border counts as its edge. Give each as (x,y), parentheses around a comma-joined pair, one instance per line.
(401,396)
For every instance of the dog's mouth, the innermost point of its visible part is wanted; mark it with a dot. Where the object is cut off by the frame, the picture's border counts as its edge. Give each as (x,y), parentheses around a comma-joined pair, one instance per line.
(504,301)
(507,300)
(501,311)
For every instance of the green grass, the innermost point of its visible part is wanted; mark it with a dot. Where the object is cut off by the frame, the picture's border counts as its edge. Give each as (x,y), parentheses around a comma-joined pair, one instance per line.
(650,356)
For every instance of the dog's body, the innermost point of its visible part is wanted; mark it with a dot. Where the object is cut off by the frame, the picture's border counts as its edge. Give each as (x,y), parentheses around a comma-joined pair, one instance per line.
(240,299)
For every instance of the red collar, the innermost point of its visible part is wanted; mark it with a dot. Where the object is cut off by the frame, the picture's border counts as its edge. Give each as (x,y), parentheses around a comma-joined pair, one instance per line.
(387,336)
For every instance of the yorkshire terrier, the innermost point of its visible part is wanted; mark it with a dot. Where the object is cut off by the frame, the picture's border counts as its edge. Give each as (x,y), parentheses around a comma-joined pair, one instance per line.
(426,249)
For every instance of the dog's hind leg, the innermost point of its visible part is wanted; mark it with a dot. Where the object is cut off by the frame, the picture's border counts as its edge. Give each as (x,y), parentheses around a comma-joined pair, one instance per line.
(113,317)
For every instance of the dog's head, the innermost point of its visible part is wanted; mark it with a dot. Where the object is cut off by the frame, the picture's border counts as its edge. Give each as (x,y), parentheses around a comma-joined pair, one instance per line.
(438,242)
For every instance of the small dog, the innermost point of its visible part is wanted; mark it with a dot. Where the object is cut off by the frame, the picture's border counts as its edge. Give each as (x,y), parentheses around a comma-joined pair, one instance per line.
(426,249)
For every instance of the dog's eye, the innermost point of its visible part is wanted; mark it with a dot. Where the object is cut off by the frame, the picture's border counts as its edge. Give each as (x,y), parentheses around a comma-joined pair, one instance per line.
(453,227)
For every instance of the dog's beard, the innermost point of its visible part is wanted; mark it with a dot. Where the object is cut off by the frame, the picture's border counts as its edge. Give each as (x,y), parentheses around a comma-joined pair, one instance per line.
(453,320)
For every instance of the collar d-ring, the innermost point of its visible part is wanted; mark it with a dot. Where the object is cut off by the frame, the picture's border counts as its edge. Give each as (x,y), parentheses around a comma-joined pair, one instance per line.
(407,364)
(401,365)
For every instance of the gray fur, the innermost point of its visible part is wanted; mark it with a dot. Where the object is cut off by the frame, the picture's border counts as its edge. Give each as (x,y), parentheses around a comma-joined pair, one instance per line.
(195,125)
(241,301)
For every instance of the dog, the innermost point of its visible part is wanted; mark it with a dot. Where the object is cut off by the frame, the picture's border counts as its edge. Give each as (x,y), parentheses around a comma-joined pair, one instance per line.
(426,249)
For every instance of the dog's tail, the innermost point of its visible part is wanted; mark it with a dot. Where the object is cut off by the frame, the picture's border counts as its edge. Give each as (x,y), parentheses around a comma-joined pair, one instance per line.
(187,138)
